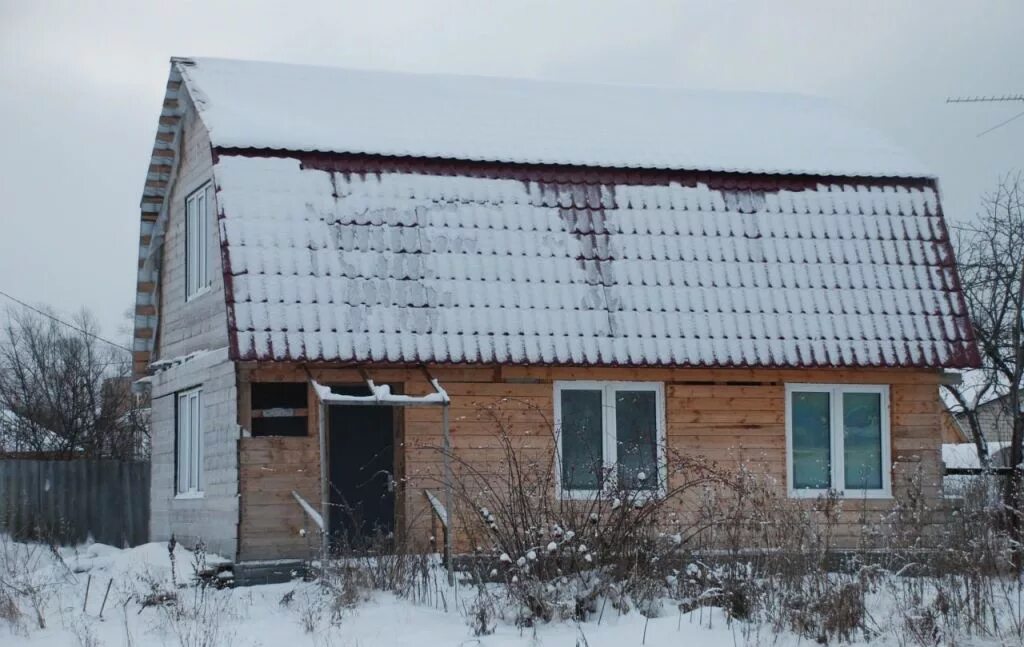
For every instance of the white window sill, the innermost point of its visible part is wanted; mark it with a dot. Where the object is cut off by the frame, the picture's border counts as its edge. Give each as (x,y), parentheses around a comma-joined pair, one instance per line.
(198,293)
(579,495)
(188,496)
(588,495)
(848,495)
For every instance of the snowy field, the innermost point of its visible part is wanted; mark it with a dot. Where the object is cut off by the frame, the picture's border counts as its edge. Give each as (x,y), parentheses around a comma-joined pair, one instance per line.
(297,614)
(252,616)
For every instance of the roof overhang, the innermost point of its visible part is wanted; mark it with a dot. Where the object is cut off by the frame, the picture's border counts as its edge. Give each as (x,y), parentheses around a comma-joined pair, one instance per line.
(163,163)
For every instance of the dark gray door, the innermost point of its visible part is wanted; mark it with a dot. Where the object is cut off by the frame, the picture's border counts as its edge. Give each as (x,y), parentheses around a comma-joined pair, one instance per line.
(362,465)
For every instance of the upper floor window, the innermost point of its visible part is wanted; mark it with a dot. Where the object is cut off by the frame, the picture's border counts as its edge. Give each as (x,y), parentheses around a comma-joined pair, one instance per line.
(610,434)
(837,438)
(197,238)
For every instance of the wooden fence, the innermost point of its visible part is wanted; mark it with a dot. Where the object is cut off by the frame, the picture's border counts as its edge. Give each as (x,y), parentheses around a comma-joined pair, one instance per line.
(70,501)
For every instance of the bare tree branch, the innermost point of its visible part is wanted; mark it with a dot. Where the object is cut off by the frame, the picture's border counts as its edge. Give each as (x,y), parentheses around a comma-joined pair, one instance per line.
(64,393)
(990,255)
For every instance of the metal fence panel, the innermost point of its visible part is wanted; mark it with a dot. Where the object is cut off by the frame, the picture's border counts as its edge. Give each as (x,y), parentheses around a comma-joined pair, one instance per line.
(69,502)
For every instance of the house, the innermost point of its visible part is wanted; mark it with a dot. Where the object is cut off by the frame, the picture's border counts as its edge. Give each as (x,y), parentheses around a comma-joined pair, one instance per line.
(986,393)
(964,455)
(27,439)
(964,475)
(116,428)
(995,415)
(747,277)
(989,397)
(952,431)
(17,436)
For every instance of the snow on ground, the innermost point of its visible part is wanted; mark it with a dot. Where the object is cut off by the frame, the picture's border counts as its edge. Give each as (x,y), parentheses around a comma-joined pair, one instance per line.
(254,616)
(257,616)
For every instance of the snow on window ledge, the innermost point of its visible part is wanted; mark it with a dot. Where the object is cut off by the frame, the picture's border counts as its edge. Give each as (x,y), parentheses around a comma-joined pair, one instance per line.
(188,496)
(847,495)
(635,496)
(382,393)
(198,293)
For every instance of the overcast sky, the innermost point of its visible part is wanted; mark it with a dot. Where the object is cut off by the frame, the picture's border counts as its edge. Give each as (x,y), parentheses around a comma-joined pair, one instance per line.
(81,85)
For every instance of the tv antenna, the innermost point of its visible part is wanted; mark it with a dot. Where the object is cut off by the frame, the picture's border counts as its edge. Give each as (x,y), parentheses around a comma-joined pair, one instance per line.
(992,99)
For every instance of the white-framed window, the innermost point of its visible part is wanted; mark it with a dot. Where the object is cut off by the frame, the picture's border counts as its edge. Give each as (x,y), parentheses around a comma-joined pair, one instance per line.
(197,239)
(189,440)
(609,434)
(837,438)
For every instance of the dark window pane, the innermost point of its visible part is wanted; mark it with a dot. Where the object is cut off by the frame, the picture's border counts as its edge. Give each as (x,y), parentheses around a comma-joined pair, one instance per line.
(274,406)
(279,426)
(862,436)
(812,452)
(636,425)
(274,395)
(582,455)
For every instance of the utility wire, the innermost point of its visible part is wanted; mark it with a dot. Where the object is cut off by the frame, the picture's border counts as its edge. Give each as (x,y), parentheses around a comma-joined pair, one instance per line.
(993,99)
(1000,125)
(64,323)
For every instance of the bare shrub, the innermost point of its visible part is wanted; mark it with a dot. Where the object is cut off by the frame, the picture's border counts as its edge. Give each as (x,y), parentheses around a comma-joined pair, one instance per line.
(84,632)
(200,618)
(378,562)
(68,393)
(728,538)
(355,566)
(194,614)
(828,569)
(9,611)
(557,557)
(151,590)
(482,612)
(701,534)
(27,578)
(990,258)
(311,604)
(387,563)
(768,558)
(968,586)
(839,613)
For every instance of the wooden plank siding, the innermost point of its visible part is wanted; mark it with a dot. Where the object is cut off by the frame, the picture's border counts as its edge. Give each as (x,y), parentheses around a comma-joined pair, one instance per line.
(271,520)
(730,416)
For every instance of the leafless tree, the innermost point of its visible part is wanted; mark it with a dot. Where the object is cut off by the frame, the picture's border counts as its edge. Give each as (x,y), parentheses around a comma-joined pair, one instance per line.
(991,260)
(65,392)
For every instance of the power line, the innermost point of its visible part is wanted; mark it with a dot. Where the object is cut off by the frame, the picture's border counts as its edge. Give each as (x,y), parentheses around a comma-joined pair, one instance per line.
(64,323)
(1000,125)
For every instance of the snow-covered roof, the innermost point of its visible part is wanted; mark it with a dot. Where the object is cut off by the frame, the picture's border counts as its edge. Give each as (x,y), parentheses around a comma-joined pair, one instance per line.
(170,362)
(247,104)
(378,216)
(979,387)
(343,258)
(12,427)
(965,455)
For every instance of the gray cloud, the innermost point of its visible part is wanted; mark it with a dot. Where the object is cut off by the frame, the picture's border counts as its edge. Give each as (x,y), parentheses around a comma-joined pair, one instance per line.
(81,84)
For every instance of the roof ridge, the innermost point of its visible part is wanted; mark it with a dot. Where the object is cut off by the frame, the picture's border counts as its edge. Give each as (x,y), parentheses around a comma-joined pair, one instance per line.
(376,163)
(192,61)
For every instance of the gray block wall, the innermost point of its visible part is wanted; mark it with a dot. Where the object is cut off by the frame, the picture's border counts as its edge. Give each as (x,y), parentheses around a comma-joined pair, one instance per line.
(187,326)
(201,322)
(212,518)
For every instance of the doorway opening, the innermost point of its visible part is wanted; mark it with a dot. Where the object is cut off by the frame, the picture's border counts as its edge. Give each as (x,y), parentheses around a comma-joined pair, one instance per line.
(362,477)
